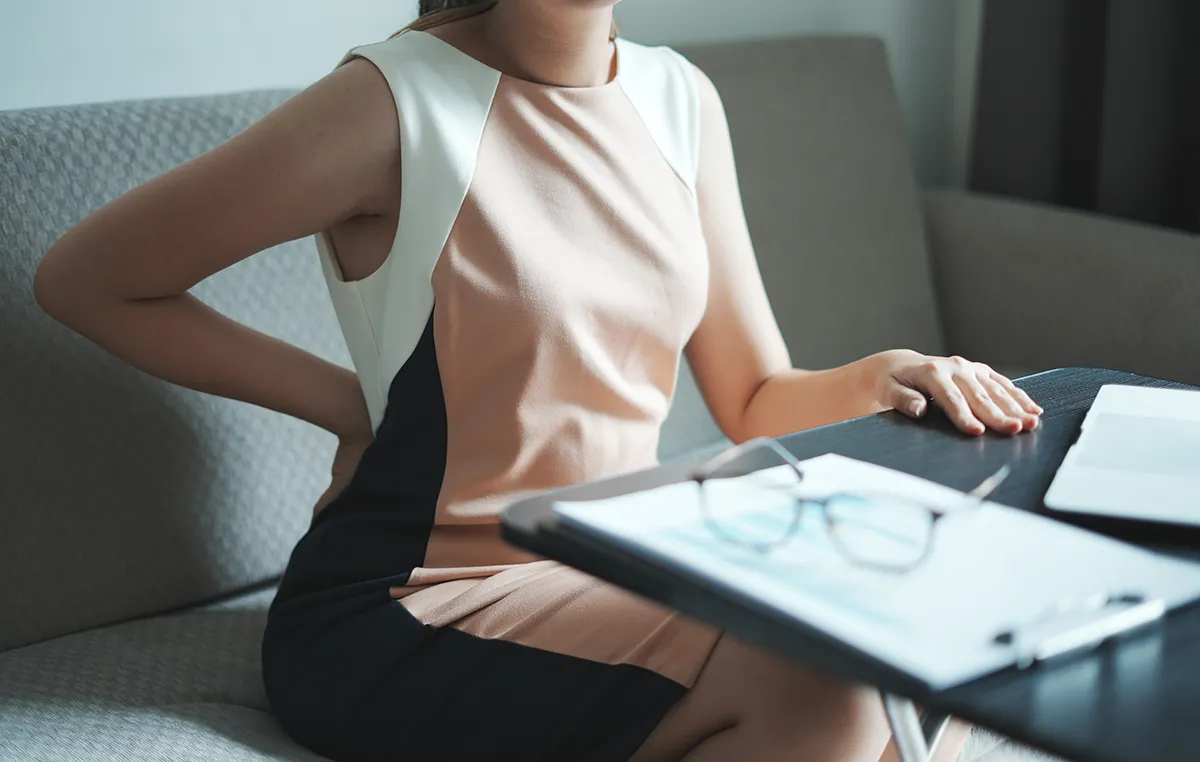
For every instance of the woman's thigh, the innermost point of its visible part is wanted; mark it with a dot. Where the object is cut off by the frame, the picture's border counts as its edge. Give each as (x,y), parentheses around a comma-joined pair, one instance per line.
(543,663)
(551,607)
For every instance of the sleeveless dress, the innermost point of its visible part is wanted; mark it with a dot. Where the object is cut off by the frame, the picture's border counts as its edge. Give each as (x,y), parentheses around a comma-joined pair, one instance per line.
(524,333)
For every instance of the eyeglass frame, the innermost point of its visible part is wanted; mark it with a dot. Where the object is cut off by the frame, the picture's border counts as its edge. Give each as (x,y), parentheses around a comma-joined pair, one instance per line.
(705,472)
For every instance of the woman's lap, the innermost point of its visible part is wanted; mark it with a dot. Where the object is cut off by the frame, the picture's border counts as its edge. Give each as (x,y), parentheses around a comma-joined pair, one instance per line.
(539,662)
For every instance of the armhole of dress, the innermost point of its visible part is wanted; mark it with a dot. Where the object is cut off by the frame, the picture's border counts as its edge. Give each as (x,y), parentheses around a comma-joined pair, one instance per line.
(442,99)
(354,316)
(361,337)
(325,237)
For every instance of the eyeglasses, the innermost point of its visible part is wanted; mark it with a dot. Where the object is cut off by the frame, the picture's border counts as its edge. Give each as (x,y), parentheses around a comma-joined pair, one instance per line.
(876,530)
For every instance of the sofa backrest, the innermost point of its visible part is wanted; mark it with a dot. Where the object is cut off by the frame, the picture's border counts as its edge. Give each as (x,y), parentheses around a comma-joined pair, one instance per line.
(832,202)
(121,495)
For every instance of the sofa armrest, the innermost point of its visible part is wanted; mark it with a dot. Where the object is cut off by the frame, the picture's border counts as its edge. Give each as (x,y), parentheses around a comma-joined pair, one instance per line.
(1024,285)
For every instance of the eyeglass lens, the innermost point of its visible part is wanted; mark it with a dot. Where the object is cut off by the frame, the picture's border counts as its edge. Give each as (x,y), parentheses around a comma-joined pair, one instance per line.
(759,516)
(878,530)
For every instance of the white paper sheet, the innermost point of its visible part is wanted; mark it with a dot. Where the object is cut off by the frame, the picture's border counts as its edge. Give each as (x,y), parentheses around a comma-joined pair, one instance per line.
(992,568)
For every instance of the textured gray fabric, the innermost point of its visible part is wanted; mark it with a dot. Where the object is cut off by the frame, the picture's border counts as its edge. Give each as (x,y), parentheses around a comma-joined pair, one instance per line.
(180,687)
(38,732)
(987,747)
(832,203)
(204,655)
(1035,287)
(121,495)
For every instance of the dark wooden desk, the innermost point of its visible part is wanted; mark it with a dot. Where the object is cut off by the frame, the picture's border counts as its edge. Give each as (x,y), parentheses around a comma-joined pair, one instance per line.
(1133,701)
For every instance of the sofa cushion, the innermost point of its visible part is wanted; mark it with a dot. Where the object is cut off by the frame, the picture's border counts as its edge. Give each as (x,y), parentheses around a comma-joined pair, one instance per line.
(121,495)
(180,687)
(1045,287)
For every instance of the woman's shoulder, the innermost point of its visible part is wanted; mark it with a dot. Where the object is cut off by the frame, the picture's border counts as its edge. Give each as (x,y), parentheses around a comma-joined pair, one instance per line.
(428,78)
(640,60)
(407,47)
(662,73)
(415,61)
(676,100)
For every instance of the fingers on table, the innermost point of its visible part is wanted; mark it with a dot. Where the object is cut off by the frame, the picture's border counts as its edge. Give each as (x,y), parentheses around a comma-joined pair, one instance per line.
(1008,402)
(1017,393)
(909,401)
(989,411)
(953,401)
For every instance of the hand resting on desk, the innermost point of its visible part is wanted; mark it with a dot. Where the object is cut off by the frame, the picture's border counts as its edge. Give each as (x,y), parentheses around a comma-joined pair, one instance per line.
(973,396)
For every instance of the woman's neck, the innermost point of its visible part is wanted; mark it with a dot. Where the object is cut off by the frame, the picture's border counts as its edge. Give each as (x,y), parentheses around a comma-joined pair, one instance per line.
(564,47)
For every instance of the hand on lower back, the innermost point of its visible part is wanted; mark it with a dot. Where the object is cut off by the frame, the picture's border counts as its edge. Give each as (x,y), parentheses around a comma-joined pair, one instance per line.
(345,463)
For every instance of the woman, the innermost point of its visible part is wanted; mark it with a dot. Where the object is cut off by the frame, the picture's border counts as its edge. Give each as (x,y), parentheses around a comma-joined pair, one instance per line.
(524,223)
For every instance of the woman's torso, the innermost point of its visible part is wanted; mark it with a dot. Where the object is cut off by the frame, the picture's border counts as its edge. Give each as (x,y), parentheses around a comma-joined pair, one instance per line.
(525,329)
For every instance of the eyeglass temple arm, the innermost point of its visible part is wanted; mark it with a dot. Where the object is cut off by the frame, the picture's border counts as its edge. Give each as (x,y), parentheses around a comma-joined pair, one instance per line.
(990,484)
(708,467)
(976,497)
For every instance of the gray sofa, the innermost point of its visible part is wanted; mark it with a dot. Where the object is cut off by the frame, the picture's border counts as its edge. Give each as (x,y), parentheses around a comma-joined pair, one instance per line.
(142,526)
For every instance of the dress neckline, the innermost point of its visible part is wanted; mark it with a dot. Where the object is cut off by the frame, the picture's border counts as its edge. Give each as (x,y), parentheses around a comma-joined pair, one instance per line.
(611,83)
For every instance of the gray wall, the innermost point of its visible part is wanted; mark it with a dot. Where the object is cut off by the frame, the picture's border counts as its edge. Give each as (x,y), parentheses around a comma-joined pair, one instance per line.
(75,51)
(80,51)
(929,42)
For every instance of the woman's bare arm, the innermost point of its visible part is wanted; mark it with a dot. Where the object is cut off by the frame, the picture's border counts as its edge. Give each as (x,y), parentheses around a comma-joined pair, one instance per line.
(738,352)
(742,364)
(121,277)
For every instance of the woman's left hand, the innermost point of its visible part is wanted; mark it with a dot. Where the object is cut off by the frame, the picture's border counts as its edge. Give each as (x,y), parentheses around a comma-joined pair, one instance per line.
(973,396)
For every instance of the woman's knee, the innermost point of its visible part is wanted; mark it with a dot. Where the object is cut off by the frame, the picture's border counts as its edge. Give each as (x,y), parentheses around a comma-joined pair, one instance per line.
(799,707)
(844,720)
(771,709)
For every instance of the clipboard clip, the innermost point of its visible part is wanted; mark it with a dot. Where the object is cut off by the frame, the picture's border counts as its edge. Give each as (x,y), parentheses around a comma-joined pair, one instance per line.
(1079,626)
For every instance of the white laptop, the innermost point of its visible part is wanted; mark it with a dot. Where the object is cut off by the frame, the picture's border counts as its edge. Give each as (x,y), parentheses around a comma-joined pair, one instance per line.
(1138,457)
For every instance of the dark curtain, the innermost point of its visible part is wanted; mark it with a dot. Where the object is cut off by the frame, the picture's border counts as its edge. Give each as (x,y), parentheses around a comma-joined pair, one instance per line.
(1092,104)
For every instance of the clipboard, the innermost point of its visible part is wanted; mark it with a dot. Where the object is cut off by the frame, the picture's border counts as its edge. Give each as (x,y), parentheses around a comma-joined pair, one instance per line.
(1053,619)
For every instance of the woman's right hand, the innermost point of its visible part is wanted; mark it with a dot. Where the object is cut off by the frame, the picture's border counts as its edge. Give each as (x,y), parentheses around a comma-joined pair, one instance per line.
(345,463)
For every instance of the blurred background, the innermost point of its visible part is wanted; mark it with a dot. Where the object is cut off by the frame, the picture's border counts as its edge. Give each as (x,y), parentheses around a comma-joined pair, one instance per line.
(1091,104)
(79,51)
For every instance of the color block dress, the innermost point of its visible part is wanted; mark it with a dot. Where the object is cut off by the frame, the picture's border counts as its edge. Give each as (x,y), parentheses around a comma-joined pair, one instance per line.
(524,333)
